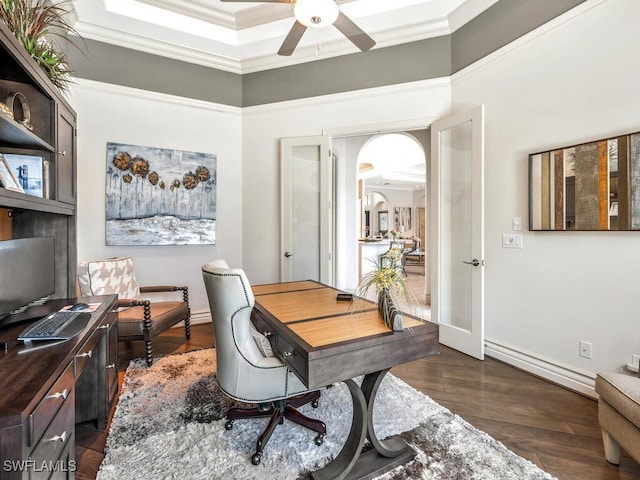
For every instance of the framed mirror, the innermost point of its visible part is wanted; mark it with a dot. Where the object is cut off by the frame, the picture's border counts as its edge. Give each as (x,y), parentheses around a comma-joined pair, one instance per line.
(591,186)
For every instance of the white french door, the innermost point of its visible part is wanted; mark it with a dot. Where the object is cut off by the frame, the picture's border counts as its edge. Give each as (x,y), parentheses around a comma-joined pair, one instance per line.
(306,194)
(457,230)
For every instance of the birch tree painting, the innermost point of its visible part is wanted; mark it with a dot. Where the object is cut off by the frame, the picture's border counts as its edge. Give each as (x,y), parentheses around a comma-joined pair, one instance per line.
(158,196)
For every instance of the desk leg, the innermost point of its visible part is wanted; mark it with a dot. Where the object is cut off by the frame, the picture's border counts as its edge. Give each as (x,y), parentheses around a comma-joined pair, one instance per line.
(351,463)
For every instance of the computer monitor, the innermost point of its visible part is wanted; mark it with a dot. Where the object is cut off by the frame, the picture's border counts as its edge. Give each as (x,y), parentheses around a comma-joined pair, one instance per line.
(27,273)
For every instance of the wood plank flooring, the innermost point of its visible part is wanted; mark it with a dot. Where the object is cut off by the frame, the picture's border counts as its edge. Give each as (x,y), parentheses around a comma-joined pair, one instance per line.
(553,427)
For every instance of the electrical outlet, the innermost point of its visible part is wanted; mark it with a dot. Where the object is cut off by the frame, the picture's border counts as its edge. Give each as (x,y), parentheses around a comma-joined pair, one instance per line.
(584,349)
(511,240)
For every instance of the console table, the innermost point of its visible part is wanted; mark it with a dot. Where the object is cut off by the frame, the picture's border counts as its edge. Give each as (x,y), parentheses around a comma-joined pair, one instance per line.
(47,387)
(325,341)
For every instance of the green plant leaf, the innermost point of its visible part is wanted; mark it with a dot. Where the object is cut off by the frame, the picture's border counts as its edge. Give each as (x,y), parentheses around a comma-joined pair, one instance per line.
(36,24)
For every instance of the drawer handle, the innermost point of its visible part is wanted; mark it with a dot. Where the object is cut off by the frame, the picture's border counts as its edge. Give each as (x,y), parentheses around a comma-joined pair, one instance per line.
(287,354)
(63,153)
(267,333)
(102,327)
(62,438)
(113,365)
(86,354)
(64,394)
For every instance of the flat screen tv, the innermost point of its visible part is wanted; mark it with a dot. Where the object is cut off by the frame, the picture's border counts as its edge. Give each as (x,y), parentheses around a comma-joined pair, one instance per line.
(27,273)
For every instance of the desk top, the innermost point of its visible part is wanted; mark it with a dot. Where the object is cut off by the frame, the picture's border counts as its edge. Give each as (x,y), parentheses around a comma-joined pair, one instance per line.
(325,340)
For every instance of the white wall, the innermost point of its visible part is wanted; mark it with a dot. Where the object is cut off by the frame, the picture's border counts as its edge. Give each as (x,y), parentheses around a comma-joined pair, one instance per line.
(108,113)
(573,80)
(413,105)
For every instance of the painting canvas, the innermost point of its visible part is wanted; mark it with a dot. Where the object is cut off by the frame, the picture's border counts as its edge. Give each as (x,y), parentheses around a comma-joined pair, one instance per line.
(159,196)
(402,219)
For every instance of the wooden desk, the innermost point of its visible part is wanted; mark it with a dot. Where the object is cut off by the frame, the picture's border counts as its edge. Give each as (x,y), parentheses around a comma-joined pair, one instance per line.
(47,387)
(325,341)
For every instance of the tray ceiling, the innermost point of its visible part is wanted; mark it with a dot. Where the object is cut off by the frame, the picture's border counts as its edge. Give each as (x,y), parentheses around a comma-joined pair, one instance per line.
(244,37)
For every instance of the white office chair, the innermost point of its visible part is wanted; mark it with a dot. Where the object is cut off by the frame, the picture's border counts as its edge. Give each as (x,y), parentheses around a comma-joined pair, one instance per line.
(247,371)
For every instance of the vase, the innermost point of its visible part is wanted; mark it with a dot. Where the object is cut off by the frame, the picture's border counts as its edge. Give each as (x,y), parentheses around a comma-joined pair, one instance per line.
(387,309)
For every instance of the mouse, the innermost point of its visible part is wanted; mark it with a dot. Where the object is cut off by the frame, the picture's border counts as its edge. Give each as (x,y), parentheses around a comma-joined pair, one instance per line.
(78,306)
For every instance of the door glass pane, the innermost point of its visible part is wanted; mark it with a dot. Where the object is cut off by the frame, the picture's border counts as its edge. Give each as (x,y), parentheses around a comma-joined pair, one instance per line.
(456,233)
(305,213)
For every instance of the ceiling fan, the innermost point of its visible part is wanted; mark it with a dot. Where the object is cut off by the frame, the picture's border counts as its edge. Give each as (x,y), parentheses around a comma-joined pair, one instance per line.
(318,14)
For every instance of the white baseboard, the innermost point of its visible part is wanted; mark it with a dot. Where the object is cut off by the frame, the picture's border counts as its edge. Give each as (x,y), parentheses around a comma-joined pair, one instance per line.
(581,382)
(196,318)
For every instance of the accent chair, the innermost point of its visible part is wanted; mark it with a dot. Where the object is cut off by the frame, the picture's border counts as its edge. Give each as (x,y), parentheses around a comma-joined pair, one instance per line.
(247,369)
(138,318)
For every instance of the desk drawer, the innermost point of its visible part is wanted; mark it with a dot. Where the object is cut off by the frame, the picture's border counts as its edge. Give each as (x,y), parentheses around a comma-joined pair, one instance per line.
(49,405)
(263,327)
(48,455)
(88,350)
(296,360)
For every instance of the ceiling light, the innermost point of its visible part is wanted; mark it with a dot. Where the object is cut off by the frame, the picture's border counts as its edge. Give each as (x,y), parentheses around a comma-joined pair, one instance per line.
(316,13)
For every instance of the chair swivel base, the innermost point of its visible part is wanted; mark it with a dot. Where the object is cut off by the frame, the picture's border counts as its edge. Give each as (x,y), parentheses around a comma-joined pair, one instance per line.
(278,411)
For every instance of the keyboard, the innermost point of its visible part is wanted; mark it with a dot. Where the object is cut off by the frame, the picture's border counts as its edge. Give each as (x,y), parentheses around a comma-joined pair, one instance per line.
(57,326)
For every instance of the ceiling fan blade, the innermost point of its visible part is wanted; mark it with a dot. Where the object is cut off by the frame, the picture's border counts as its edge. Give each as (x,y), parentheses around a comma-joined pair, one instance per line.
(293,38)
(259,1)
(354,33)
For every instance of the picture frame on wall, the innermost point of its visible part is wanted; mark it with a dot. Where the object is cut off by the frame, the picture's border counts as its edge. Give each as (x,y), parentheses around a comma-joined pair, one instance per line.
(383,221)
(7,178)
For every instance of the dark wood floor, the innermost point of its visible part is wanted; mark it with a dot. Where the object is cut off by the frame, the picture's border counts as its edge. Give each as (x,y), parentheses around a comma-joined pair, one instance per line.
(549,425)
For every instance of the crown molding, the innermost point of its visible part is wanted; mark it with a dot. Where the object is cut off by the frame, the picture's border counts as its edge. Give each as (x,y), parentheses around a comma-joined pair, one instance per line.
(256,15)
(304,53)
(156,47)
(95,86)
(419,87)
(467,12)
(518,43)
(252,33)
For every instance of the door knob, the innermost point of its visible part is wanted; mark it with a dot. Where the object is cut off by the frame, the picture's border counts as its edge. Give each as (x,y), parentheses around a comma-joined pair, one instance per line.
(287,254)
(475,262)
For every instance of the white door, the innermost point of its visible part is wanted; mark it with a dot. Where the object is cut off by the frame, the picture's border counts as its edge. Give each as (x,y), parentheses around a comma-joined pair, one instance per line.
(306,193)
(457,230)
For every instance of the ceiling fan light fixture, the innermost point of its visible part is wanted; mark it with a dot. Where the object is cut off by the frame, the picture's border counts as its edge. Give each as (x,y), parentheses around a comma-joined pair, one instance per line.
(316,13)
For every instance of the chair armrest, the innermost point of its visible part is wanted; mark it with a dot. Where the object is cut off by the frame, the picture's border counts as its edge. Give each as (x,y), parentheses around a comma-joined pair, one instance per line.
(161,288)
(129,302)
(167,288)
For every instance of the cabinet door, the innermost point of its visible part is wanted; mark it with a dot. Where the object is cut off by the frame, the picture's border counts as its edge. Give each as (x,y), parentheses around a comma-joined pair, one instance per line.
(65,157)
(111,369)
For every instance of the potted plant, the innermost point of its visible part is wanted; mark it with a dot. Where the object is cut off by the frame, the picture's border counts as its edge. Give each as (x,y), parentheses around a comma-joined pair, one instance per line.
(39,25)
(387,279)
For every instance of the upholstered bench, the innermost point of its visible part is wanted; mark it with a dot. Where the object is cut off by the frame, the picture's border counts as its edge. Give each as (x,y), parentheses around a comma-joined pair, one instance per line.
(619,414)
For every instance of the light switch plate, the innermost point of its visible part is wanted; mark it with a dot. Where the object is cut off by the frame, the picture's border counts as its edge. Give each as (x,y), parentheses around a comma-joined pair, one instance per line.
(517,223)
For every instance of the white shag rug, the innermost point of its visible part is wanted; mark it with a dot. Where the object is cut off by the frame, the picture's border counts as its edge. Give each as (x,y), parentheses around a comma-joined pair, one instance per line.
(169,424)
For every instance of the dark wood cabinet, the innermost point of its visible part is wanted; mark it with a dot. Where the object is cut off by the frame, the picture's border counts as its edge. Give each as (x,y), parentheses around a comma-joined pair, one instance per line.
(65,156)
(97,386)
(52,137)
(45,389)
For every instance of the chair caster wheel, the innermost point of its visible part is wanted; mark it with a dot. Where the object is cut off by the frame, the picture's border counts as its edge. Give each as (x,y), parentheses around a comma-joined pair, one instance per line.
(315,403)
(319,439)
(255,458)
(228,425)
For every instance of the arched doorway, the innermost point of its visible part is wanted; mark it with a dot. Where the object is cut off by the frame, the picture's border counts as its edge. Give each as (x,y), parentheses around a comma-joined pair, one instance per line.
(391,176)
